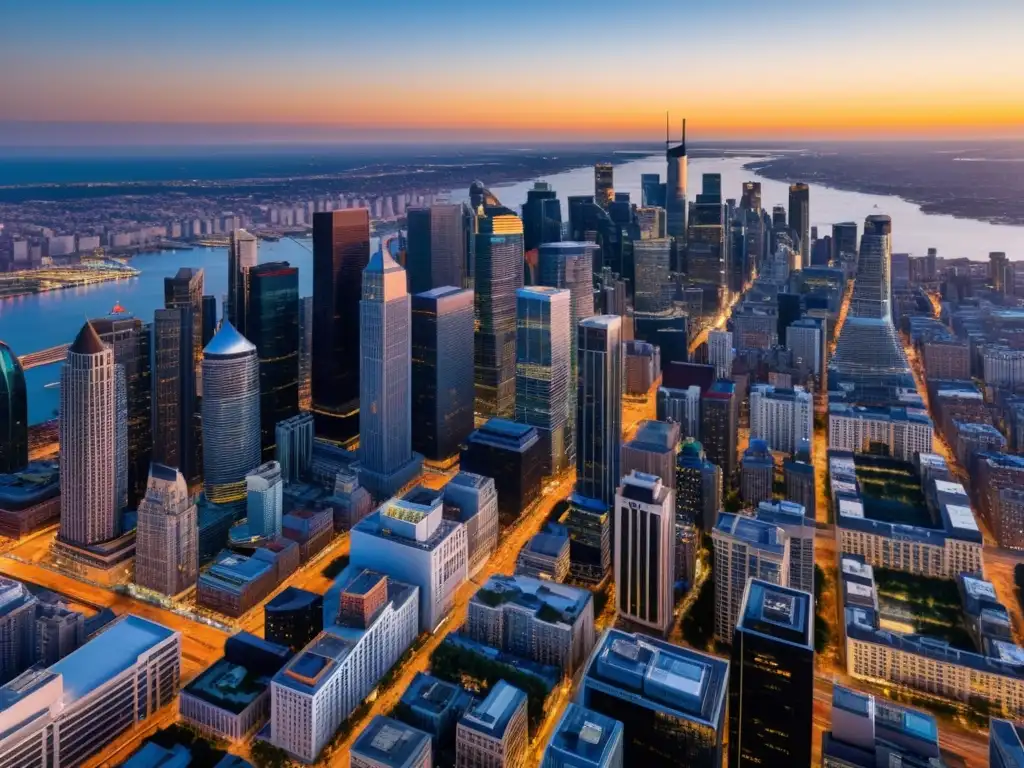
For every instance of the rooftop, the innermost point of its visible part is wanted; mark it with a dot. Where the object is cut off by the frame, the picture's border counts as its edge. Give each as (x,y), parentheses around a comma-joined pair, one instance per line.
(778,612)
(550,601)
(586,734)
(665,677)
(313,665)
(228,342)
(108,654)
(228,686)
(756,532)
(492,715)
(390,742)
(87,342)
(1007,739)
(432,694)
(292,599)
(233,572)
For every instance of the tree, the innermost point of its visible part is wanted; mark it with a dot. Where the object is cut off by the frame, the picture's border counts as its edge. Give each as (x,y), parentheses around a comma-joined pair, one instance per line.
(266,755)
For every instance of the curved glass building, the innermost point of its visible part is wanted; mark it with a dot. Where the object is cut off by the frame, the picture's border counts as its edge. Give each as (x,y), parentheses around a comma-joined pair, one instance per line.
(231,415)
(13,413)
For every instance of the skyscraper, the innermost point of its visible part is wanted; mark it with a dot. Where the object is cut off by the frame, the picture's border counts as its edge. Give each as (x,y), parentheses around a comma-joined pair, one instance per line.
(89,505)
(751,198)
(131,341)
(209,315)
(185,290)
(771,685)
(721,352)
(800,219)
(651,264)
(436,252)
(167,537)
(544,371)
(645,551)
(341,250)
(231,415)
(385,391)
(718,426)
(242,256)
(599,407)
(844,244)
(273,323)
(868,346)
(676,206)
(604,186)
(442,371)
(498,275)
(706,262)
(652,191)
(13,413)
(781,417)
(174,392)
(542,217)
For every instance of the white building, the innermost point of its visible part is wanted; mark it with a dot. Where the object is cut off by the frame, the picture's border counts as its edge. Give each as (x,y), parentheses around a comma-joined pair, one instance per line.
(472,500)
(332,675)
(904,431)
(645,511)
(681,406)
(1003,366)
(803,338)
(167,534)
(721,353)
(781,417)
(745,548)
(800,529)
(410,540)
(493,734)
(60,716)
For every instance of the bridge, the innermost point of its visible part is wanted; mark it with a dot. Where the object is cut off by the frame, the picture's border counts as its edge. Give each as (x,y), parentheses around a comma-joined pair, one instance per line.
(44,356)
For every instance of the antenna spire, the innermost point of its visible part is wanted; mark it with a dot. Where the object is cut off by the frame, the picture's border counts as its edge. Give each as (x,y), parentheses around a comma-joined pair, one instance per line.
(667,140)
(683,142)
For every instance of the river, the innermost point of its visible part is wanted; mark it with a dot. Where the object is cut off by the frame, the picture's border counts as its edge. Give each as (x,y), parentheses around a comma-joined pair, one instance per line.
(32,323)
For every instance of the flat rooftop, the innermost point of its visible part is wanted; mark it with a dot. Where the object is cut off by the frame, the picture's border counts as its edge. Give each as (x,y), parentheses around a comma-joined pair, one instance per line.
(551,602)
(390,742)
(108,654)
(228,686)
(778,612)
(311,667)
(492,715)
(752,531)
(586,734)
(431,694)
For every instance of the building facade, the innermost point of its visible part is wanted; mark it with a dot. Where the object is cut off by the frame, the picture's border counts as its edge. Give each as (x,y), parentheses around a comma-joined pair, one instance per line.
(599,407)
(167,536)
(781,417)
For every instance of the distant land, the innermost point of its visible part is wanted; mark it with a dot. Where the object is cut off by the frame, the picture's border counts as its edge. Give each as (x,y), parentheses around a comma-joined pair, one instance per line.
(971,180)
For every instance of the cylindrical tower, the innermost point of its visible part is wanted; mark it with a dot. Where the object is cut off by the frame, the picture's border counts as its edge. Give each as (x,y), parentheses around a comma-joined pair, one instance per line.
(89,445)
(13,412)
(231,415)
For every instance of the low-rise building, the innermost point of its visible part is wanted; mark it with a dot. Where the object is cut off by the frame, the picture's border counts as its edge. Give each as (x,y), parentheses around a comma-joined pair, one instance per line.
(584,739)
(903,432)
(17,628)
(235,583)
(64,714)
(410,540)
(333,674)
(542,621)
(29,499)
(546,555)
(387,743)
(434,706)
(231,699)
(493,733)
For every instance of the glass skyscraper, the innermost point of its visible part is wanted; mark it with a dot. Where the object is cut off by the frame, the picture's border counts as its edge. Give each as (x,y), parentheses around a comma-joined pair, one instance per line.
(599,407)
(13,412)
(544,371)
(800,219)
(242,256)
(442,371)
(604,185)
(436,247)
(651,263)
(273,324)
(185,289)
(231,415)
(174,392)
(341,250)
(676,206)
(385,391)
(542,217)
(498,275)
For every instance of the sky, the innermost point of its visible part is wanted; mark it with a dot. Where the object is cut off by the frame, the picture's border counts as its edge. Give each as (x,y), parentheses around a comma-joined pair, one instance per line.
(133,70)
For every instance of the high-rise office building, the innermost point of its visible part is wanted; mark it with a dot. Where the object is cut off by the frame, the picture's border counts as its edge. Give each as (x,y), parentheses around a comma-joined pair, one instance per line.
(599,407)
(341,250)
(497,277)
(721,352)
(175,422)
(771,685)
(209,317)
(167,537)
(676,205)
(442,371)
(999,268)
(294,447)
(681,406)
(273,323)
(185,291)
(804,341)
(305,352)
(264,501)
(231,415)
(604,186)
(129,338)
(385,389)
(89,505)
(542,218)
(800,219)
(757,473)
(651,264)
(544,371)
(750,200)
(745,548)
(13,413)
(653,451)
(59,631)
(868,346)
(789,311)
(800,529)
(844,243)
(779,223)
(798,473)
(436,250)
(18,609)
(781,417)
(584,739)
(670,700)
(645,551)
(293,618)
(698,487)
(739,266)
(718,426)
(243,250)
(706,255)
(511,454)
(652,191)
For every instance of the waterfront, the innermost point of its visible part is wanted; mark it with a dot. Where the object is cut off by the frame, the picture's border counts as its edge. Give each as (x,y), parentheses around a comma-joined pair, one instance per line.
(32,323)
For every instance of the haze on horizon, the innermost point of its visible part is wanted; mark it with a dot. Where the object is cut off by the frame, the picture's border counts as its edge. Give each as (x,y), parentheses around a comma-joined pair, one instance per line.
(115,71)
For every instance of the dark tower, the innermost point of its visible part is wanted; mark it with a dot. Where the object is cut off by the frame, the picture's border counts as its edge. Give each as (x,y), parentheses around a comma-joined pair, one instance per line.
(13,412)
(341,251)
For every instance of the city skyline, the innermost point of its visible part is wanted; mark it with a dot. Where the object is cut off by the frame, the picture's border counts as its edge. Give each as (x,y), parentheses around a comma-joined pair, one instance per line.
(328,79)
